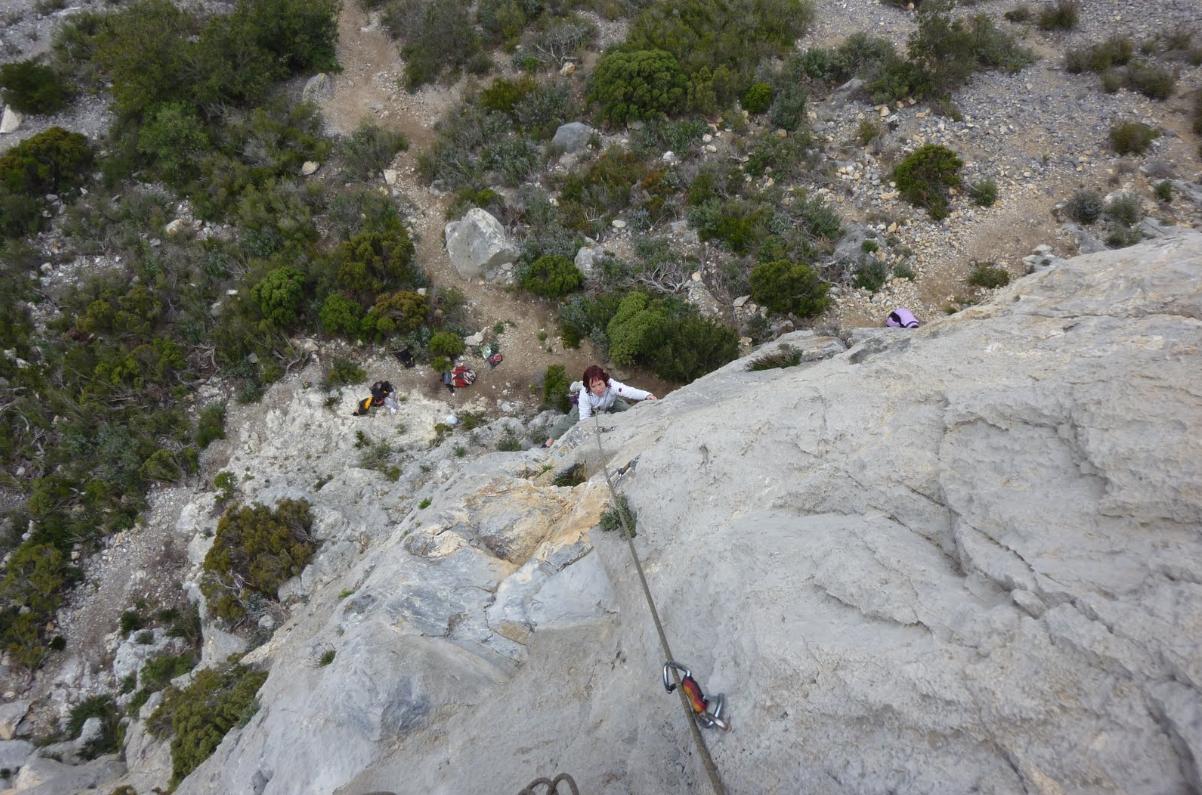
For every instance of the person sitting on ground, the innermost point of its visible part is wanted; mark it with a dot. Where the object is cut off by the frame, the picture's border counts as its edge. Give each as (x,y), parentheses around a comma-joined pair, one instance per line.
(599,394)
(382,394)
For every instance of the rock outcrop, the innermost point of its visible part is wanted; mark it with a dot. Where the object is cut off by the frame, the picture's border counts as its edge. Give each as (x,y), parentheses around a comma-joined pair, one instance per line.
(477,243)
(959,558)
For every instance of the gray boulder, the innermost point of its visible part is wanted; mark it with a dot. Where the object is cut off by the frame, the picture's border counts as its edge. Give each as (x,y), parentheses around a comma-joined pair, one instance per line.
(477,243)
(13,753)
(41,776)
(318,88)
(11,715)
(572,137)
(10,121)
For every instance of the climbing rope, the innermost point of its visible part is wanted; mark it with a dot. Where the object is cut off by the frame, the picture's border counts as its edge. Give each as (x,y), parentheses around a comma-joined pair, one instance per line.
(552,785)
(675,669)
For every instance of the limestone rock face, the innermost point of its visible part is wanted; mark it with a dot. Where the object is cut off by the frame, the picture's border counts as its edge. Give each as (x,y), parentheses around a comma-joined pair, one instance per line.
(961,558)
(477,243)
(958,558)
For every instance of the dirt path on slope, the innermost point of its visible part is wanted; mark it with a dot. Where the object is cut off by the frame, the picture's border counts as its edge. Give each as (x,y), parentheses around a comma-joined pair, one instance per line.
(369,88)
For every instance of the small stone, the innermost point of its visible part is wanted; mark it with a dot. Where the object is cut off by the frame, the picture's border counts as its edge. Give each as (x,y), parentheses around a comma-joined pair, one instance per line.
(781,133)
(390,176)
(421,290)
(267,622)
(567,70)
(175,227)
(742,299)
(696,276)
(618,223)
(883,111)
(711,148)
(670,158)
(309,167)
(705,139)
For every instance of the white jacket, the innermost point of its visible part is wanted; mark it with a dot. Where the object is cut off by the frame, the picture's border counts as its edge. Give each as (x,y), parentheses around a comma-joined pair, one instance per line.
(590,404)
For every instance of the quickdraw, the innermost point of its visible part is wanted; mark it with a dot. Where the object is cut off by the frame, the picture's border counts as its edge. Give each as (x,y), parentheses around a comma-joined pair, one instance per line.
(707,711)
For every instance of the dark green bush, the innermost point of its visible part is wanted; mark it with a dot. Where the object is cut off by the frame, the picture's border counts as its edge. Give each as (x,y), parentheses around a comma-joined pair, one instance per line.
(30,592)
(53,161)
(200,715)
(370,149)
(620,516)
(1131,137)
(542,110)
(1164,191)
(690,346)
(30,87)
(633,85)
(602,189)
(757,98)
(551,276)
(1085,206)
(555,389)
(587,317)
(983,192)
(438,38)
(255,551)
(376,261)
(402,312)
(925,175)
(949,49)
(210,425)
(279,295)
(989,276)
(636,328)
(158,671)
(1060,15)
(174,139)
(788,111)
(340,316)
(446,343)
(788,288)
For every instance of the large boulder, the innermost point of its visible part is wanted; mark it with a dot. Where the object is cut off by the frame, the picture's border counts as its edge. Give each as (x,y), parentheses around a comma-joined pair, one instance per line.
(572,137)
(477,244)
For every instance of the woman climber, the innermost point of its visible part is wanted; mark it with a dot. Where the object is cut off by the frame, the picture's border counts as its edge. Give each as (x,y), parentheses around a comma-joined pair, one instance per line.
(597,393)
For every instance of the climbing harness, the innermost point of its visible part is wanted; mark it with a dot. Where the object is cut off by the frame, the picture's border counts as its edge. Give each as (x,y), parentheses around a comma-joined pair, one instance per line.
(708,711)
(670,668)
(552,785)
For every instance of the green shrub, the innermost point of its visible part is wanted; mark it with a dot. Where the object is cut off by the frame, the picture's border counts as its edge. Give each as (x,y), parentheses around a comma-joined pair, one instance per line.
(742,225)
(983,192)
(636,328)
(1018,14)
(924,177)
(1060,15)
(1163,191)
(31,591)
(376,261)
(174,139)
(587,317)
(643,84)
(341,316)
(868,131)
(1131,137)
(620,516)
(401,312)
(603,188)
(989,276)
(158,671)
(53,161)
(757,98)
(870,276)
(788,111)
(370,148)
(344,371)
(279,295)
(1125,210)
(112,733)
(949,49)
(255,551)
(690,346)
(788,287)
(200,715)
(131,621)
(551,276)
(31,87)
(210,425)
(1085,206)
(1154,82)
(438,37)
(1101,57)
(503,94)
(446,343)
(540,111)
